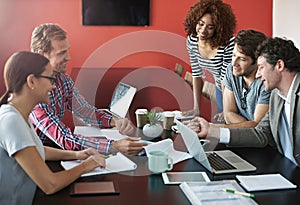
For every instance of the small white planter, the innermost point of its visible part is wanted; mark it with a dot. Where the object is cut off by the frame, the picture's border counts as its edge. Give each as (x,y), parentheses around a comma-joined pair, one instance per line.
(153,130)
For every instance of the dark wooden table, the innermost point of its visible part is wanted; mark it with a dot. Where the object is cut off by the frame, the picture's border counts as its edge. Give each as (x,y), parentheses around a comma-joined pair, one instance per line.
(140,187)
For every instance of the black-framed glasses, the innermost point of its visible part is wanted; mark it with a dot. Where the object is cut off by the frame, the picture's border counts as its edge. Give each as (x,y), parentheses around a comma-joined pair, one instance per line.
(52,79)
(244,98)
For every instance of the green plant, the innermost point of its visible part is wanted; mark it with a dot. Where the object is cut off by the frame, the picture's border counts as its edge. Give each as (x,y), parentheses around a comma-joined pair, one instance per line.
(153,117)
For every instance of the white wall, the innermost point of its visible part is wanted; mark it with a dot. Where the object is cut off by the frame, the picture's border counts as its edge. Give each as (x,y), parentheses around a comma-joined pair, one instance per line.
(286,20)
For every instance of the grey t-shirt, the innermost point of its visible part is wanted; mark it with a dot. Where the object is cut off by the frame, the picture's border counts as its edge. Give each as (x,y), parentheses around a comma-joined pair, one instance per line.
(15,134)
(246,99)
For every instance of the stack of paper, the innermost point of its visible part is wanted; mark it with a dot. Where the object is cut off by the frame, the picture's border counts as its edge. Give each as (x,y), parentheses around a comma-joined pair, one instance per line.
(167,146)
(265,182)
(214,193)
(90,131)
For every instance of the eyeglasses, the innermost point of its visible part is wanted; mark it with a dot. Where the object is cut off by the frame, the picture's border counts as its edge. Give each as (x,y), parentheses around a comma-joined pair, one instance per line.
(244,98)
(52,79)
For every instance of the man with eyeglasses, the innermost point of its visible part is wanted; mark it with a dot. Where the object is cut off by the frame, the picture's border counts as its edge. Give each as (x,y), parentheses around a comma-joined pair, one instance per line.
(278,62)
(245,101)
(51,41)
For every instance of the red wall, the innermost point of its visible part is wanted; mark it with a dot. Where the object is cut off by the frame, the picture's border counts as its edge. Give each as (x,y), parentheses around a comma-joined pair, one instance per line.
(160,45)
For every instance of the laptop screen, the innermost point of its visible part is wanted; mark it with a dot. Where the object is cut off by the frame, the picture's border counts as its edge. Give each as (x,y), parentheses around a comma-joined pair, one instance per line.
(121,99)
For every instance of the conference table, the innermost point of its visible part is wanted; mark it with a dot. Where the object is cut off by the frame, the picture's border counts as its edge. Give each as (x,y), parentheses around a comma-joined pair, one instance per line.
(140,187)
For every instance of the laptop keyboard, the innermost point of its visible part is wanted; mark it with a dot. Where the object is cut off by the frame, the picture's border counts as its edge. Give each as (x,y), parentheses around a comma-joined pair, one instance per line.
(218,163)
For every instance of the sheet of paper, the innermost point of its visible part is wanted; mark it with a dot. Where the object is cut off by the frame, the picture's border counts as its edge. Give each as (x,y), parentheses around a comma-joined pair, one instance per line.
(265,182)
(97,132)
(178,115)
(213,193)
(167,146)
(115,163)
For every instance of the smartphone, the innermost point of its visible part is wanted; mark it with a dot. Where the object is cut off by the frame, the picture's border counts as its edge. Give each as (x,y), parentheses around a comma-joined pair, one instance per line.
(94,188)
(179,177)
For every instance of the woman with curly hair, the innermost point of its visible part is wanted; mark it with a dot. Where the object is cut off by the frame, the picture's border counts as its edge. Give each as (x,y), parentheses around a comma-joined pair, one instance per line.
(210,25)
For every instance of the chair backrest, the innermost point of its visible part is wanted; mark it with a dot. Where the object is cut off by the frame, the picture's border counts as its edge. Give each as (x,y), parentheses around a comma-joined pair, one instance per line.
(178,69)
(209,90)
(189,78)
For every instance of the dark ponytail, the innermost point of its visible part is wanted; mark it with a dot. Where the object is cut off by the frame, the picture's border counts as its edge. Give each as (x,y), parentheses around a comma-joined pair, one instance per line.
(5,97)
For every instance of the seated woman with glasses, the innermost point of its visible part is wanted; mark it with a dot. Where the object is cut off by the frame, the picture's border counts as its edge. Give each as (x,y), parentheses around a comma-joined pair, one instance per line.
(28,80)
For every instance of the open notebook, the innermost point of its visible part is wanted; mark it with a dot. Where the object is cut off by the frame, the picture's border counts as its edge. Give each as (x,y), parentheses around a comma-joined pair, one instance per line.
(115,163)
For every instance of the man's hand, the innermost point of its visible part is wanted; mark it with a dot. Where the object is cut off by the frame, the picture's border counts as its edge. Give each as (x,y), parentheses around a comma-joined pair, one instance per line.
(200,126)
(124,126)
(128,145)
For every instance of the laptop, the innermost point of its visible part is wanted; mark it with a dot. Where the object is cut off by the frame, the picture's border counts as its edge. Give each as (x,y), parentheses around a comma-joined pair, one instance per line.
(121,100)
(217,162)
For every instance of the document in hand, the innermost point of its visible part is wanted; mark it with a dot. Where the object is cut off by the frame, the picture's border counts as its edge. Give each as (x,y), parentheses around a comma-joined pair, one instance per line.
(115,163)
(90,131)
(214,193)
(265,182)
(167,146)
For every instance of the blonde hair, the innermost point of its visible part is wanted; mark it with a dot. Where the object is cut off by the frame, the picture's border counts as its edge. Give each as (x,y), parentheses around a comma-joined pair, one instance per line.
(43,34)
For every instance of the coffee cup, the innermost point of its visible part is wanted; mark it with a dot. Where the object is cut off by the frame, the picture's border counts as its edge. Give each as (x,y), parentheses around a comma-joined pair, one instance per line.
(159,162)
(168,120)
(141,117)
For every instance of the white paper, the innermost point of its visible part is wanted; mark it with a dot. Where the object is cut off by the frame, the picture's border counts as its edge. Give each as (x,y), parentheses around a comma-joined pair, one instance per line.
(166,145)
(213,193)
(178,115)
(115,163)
(265,182)
(90,131)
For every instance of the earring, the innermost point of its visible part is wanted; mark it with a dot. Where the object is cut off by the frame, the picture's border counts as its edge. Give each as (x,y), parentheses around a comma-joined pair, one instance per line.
(32,88)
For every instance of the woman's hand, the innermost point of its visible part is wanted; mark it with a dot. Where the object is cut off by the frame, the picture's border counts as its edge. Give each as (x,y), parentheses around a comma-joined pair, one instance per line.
(84,154)
(94,161)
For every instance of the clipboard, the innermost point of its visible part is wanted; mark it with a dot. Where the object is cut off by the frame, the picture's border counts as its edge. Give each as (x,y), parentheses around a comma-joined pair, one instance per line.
(94,188)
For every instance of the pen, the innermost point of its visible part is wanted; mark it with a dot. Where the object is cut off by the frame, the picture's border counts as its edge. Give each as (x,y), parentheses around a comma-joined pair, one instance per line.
(145,142)
(108,156)
(240,193)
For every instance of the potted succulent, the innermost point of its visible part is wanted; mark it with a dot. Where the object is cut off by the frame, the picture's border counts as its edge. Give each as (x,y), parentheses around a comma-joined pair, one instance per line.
(153,128)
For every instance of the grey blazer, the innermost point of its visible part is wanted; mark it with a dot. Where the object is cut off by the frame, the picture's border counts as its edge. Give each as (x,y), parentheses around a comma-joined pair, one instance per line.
(266,131)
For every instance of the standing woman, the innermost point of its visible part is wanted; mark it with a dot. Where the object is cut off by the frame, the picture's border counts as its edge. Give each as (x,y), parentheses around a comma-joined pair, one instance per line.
(210,25)
(29,79)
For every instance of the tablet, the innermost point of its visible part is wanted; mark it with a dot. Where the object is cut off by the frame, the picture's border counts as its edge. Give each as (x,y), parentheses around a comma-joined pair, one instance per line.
(94,188)
(179,177)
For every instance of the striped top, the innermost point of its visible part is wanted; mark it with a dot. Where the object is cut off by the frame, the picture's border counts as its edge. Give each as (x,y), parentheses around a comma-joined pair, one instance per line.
(216,65)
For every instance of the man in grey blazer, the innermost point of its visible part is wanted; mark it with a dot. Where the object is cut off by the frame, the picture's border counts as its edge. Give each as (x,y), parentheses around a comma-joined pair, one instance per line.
(278,67)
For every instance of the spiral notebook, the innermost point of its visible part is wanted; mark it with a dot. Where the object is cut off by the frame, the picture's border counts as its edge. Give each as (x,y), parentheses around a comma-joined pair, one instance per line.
(115,163)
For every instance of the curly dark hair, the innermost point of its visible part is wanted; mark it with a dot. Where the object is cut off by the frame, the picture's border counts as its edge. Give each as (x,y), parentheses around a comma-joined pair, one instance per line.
(222,17)
(274,49)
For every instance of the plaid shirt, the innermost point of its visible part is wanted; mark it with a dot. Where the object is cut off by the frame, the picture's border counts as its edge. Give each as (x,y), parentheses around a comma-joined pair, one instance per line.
(47,118)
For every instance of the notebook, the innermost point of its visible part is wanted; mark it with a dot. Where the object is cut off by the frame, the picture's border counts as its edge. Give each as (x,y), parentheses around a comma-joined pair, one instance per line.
(217,162)
(121,100)
(114,164)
